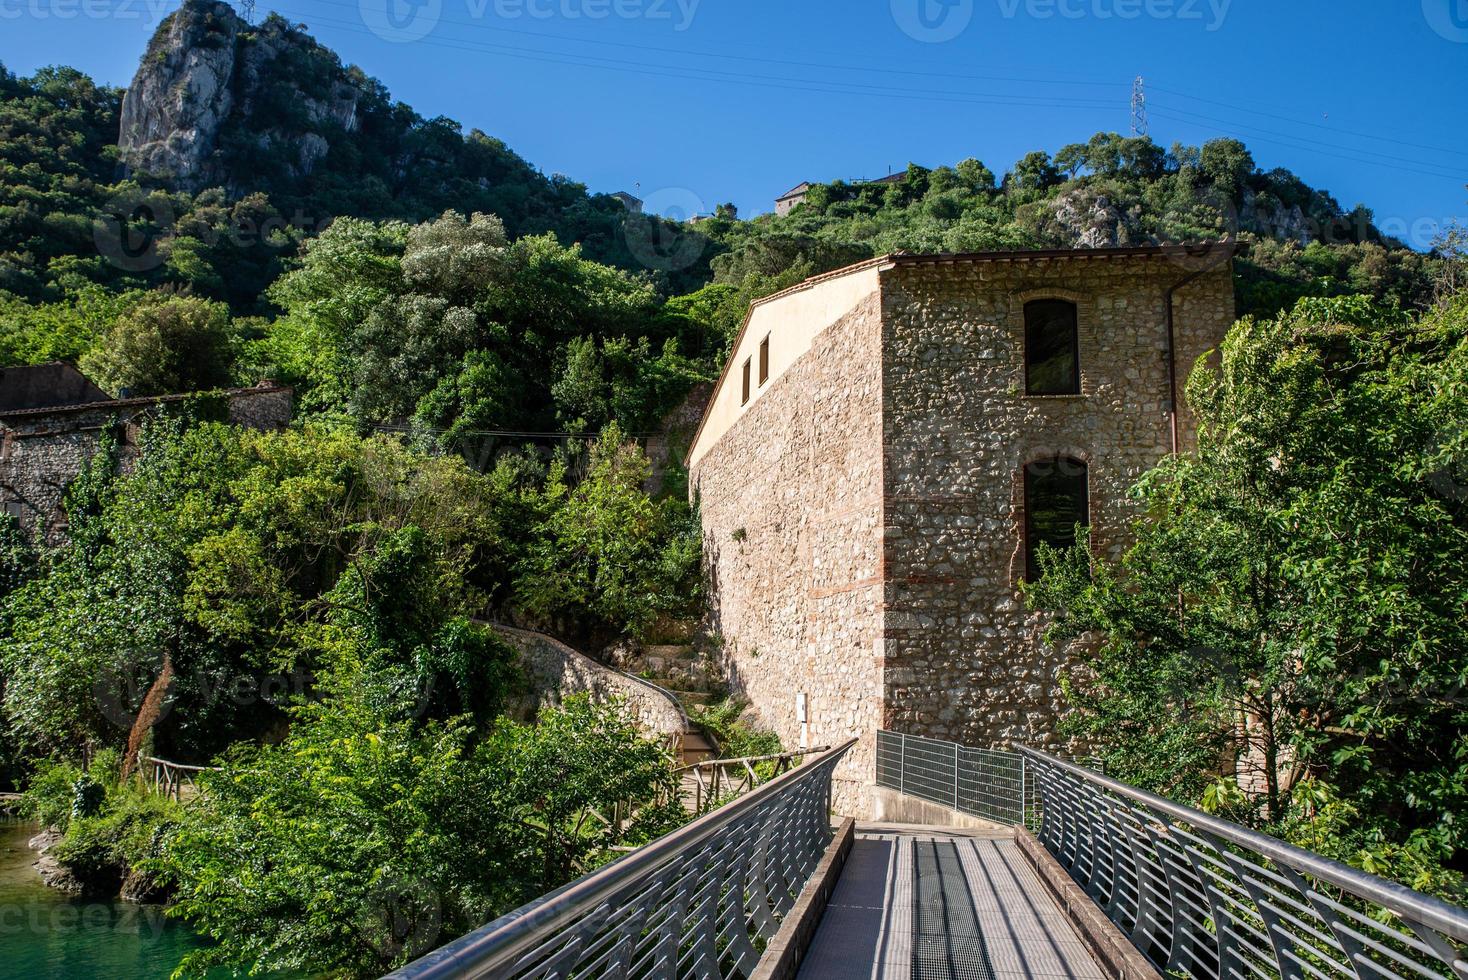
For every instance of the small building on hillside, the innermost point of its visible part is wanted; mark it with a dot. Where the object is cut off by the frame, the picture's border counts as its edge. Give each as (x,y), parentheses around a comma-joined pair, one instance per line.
(890,443)
(52,419)
(631,202)
(787,202)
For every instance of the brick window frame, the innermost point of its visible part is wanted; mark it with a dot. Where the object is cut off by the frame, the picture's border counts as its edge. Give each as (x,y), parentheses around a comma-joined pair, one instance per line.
(1086,344)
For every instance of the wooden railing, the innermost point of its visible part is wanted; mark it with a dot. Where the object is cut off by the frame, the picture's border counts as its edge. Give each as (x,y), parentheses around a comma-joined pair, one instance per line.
(716,781)
(170,778)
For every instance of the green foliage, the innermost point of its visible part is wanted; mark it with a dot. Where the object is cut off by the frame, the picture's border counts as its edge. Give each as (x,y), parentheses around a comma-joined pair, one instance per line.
(606,558)
(1126,188)
(736,738)
(163,345)
(49,797)
(110,828)
(366,838)
(1293,603)
(247,560)
(19,562)
(118,840)
(451,325)
(61,331)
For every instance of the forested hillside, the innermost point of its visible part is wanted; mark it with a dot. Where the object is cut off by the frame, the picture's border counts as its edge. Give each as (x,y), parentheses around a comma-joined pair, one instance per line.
(556,310)
(256,209)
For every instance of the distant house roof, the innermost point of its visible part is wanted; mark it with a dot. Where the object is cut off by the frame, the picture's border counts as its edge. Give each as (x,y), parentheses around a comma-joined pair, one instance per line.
(896,178)
(46,386)
(797,191)
(106,402)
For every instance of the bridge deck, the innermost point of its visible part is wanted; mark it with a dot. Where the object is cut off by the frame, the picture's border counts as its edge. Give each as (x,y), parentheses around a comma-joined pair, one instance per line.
(925,904)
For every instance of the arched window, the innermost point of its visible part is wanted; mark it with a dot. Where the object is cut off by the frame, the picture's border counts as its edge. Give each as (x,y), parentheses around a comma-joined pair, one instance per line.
(1055,502)
(1052,355)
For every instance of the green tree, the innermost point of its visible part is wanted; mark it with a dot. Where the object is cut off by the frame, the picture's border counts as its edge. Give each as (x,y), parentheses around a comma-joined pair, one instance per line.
(365,839)
(164,345)
(606,558)
(1292,605)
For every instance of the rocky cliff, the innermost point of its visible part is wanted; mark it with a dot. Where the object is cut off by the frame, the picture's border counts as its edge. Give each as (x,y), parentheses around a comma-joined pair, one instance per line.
(212,86)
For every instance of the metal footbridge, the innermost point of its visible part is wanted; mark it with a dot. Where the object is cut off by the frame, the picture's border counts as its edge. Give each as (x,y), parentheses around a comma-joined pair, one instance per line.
(1076,875)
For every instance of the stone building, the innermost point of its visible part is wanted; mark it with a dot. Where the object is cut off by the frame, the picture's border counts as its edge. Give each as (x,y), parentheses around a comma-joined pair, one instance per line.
(788,201)
(886,448)
(52,420)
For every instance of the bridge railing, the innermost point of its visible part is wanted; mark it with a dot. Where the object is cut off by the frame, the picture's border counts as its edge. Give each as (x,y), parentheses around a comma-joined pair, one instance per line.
(701,901)
(1205,897)
(988,783)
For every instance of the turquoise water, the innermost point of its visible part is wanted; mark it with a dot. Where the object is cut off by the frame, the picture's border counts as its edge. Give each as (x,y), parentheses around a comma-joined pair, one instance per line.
(44,935)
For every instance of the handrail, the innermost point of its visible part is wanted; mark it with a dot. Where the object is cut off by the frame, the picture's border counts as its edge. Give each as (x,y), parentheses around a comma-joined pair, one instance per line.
(175,765)
(1452,920)
(751,759)
(598,914)
(1206,897)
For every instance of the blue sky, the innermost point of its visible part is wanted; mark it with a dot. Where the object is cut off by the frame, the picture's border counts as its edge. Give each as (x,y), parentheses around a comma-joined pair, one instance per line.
(695,102)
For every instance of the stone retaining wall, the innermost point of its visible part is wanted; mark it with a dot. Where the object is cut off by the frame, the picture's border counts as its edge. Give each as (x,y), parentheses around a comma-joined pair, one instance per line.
(556,670)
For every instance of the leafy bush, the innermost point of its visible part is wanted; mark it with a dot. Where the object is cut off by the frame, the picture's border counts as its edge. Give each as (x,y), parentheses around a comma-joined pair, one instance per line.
(736,738)
(605,558)
(367,837)
(120,840)
(49,797)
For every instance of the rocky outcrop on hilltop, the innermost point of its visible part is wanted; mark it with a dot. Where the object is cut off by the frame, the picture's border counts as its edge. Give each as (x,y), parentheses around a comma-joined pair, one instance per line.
(1085,218)
(213,90)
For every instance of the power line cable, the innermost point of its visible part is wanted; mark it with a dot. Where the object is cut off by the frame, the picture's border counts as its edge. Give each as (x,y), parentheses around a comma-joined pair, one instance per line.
(1312,125)
(708,74)
(1245,134)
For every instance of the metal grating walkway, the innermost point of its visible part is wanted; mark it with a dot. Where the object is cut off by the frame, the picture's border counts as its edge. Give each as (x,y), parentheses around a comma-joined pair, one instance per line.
(923,904)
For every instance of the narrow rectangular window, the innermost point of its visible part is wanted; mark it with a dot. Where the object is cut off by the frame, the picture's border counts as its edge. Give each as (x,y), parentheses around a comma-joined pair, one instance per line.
(764,360)
(1056,503)
(1052,348)
(745,399)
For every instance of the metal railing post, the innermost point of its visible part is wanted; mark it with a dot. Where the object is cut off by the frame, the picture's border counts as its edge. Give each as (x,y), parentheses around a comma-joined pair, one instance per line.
(902,763)
(955,775)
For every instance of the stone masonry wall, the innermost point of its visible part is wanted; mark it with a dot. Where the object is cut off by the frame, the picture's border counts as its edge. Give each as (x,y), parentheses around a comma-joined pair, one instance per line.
(555,670)
(791,507)
(962,658)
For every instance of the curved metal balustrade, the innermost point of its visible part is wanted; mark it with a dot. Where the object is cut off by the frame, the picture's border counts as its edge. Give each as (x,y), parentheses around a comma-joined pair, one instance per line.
(699,902)
(1204,897)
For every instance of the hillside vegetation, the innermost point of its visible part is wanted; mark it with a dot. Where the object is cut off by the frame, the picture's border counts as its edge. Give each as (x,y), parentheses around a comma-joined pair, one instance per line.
(304,608)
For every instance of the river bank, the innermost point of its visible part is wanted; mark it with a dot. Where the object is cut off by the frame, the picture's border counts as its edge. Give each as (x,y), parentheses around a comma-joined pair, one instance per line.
(44,934)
